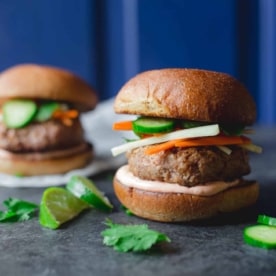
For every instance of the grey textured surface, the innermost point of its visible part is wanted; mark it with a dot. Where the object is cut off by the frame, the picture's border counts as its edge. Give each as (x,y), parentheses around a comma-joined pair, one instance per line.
(213,247)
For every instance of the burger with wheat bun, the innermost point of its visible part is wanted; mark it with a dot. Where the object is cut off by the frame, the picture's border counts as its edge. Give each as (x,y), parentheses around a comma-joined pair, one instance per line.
(190,154)
(40,127)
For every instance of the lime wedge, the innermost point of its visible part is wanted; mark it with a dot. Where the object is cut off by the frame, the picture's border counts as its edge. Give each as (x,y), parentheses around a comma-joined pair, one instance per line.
(59,206)
(86,190)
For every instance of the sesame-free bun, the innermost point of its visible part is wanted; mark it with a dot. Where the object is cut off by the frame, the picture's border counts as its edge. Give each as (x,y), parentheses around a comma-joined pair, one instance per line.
(31,81)
(180,207)
(189,94)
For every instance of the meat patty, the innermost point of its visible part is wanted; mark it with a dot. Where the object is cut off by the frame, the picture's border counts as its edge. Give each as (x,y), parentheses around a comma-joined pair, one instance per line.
(39,137)
(189,166)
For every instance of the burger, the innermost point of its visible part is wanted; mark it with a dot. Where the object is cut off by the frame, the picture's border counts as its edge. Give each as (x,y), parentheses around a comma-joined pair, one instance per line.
(190,152)
(40,127)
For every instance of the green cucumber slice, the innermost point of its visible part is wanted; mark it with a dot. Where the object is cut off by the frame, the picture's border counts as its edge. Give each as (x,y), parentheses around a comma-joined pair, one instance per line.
(152,125)
(263,236)
(18,113)
(263,219)
(46,110)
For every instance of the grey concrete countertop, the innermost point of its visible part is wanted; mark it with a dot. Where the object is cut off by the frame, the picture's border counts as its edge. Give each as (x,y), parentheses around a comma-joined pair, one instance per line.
(213,247)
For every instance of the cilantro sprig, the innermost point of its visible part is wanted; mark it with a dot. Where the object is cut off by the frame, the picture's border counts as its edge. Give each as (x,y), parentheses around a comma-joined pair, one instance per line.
(17,210)
(126,210)
(131,237)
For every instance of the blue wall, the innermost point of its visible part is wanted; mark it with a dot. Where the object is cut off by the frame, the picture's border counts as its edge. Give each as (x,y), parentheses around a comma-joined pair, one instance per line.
(108,41)
(47,31)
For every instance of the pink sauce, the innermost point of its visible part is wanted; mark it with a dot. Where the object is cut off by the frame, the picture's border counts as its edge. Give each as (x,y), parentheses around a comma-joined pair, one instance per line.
(209,189)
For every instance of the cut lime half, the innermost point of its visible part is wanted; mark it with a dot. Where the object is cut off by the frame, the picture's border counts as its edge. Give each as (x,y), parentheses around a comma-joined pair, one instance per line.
(86,190)
(59,206)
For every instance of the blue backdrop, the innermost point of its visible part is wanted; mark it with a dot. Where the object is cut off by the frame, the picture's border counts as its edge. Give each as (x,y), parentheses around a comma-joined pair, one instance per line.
(108,41)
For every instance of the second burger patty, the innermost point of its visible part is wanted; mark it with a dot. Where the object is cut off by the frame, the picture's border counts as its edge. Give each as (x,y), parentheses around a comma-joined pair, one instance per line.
(189,166)
(40,137)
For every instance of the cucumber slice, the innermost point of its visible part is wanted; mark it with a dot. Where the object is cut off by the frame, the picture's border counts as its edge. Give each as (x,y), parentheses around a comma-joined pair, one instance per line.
(46,110)
(263,236)
(263,219)
(152,125)
(18,113)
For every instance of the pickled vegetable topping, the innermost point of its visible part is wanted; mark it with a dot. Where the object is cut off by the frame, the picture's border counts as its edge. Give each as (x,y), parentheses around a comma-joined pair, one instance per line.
(18,113)
(165,133)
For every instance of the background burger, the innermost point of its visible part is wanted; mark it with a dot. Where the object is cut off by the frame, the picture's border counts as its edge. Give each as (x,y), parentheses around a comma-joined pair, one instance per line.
(40,128)
(192,153)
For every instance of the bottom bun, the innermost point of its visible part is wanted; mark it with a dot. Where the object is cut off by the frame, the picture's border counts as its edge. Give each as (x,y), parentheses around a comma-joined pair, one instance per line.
(177,207)
(57,162)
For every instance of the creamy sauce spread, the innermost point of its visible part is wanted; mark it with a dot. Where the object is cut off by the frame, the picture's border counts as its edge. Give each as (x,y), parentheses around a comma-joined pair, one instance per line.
(127,178)
(45,155)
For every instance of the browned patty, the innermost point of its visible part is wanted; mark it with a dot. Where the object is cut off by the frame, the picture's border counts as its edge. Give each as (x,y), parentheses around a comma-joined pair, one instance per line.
(50,135)
(189,166)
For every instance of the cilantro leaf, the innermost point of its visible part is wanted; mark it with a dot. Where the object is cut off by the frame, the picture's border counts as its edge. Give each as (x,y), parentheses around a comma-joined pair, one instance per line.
(136,238)
(17,210)
(126,210)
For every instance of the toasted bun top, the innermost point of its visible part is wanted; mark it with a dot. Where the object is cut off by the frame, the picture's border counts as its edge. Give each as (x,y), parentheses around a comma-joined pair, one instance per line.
(45,82)
(189,94)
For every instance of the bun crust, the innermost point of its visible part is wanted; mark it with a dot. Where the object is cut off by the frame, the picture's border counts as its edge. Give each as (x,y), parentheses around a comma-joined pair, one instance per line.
(44,166)
(177,207)
(189,94)
(46,82)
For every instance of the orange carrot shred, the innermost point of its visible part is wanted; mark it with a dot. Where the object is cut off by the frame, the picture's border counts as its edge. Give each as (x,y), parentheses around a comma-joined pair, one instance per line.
(195,142)
(161,147)
(124,125)
(72,113)
(66,116)
(208,141)
(57,114)
(67,121)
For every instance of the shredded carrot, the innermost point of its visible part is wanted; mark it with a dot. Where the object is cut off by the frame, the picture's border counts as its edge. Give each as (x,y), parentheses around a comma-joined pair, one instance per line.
(67,121)
(209,141)
(195,142)
(160,147)
(71,113)
(66,116)
(124,125)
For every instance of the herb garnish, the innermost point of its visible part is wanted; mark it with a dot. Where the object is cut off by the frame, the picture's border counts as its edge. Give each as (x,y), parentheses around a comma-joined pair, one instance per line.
(131,237)
(17,210)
